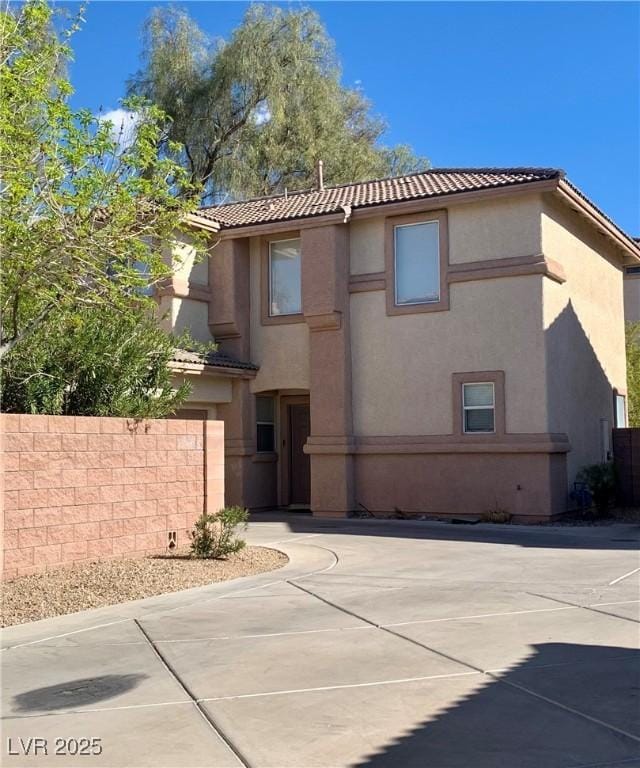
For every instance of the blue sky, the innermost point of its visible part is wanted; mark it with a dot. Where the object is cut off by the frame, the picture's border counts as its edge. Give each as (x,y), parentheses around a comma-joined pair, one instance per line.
(466,84)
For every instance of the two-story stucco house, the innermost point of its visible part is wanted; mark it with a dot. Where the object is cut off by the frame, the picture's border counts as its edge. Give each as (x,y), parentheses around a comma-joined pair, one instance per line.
(445,343)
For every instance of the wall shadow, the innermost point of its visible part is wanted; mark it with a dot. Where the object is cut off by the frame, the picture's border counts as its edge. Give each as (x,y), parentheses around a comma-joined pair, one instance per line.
(579,393)
(500,725)
(545,537)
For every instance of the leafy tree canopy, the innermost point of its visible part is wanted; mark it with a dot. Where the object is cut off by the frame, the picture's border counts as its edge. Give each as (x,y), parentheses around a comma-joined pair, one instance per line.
(256,112)
(633,373)
(94,362)
(85,218)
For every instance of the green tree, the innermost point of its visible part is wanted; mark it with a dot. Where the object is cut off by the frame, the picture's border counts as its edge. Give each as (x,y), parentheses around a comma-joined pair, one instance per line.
(633,373)
(94,362)
(80,211)
(255,113)
(85,219)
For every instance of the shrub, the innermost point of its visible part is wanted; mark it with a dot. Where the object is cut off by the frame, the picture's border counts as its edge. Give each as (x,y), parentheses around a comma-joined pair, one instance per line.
(214,536)
(497,515)
(600,479)
(95,362)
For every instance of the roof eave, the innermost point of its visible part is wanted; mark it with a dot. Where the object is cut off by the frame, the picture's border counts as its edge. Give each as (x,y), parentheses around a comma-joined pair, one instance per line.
(202,222)
(416,204)
(202,369)
(587,209)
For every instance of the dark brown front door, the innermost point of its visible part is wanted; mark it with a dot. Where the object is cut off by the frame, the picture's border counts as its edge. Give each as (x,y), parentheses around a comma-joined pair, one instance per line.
(299,467)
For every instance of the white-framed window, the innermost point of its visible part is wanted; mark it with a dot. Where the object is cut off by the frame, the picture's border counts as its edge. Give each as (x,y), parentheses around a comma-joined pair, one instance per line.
(265,424)
(479,407)
(621,410)
(417,263)
(285,282)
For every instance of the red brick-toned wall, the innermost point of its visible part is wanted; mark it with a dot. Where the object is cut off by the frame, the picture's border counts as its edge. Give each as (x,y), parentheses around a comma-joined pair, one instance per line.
(85,488)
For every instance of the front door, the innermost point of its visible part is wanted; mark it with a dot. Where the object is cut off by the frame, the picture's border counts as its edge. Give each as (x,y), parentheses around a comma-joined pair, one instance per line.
(299,465)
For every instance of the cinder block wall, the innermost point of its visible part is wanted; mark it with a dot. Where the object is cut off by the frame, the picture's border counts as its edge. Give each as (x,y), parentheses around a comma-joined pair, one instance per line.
(83,488)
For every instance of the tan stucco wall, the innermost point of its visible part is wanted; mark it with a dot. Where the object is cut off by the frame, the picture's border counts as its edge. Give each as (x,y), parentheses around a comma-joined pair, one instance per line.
(498,228)
(366,245)
(205,388)
(584,333)
(632,298)
(402,366)
(281,351)
(186,266)
(180,314)
(191,315)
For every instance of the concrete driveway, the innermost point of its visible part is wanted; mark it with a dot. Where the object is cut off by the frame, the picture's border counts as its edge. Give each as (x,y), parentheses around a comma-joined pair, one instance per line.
(379,644)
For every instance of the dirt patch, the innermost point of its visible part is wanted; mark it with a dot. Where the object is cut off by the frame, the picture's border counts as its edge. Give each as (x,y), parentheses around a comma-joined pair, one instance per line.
(96,584)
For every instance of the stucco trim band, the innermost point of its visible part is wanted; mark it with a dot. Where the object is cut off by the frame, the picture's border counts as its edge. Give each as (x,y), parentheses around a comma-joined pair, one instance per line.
(327,321)
(180,289)
(491,269)
(368,281)
(418,444)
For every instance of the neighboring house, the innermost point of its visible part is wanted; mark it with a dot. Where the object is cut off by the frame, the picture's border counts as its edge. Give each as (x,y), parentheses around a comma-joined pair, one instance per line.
(444,343)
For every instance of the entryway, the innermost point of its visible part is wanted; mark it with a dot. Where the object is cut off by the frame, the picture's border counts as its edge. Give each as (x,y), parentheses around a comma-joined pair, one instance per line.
(296,468)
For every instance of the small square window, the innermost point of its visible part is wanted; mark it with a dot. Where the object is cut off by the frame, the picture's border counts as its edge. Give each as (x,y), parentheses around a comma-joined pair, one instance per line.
(265,424)
(478,408)
(285,279)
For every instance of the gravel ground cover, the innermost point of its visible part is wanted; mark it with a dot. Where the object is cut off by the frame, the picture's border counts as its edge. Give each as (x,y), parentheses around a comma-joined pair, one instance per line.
(100,583)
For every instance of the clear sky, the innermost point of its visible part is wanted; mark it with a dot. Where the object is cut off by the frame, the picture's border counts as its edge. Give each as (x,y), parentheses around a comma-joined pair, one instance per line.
(465,83)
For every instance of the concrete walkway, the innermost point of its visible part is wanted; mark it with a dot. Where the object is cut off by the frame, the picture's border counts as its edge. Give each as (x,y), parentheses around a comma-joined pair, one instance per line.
(380,644)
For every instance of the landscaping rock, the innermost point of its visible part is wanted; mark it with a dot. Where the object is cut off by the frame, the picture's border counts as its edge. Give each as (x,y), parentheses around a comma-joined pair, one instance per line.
(96,584)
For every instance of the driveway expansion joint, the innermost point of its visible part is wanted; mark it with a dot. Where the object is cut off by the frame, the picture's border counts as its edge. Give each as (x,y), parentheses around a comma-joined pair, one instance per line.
(492,676)
(591,608)
(194,700)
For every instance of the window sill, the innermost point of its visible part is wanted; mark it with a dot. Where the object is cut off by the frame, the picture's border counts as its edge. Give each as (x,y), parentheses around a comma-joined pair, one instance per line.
(265,457)
(414,309)
(282,319)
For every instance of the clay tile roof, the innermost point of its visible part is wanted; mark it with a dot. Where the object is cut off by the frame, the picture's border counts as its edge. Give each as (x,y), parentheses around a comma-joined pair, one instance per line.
(432,183)
(217,359)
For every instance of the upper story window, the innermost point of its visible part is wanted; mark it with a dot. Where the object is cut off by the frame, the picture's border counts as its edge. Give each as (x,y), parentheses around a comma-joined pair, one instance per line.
(478,407)
(285,286)
(417,263)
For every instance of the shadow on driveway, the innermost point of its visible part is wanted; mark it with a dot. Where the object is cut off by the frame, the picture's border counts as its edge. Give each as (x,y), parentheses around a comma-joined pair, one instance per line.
(76,693)
(625,536)
(566,704)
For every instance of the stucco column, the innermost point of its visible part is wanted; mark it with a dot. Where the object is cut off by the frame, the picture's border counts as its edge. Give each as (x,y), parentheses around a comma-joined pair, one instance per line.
(229,309)
(325,279)
(229,322)
(239,445)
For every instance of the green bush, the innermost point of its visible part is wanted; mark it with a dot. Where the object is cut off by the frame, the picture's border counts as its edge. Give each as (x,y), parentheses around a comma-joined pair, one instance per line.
(214,536)
(600,479)
(95,362)
(496,515)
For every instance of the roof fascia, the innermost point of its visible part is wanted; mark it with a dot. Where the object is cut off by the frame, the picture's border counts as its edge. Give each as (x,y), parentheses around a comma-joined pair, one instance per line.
(211,370)
(593,215)
(389,209)
(202,222)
